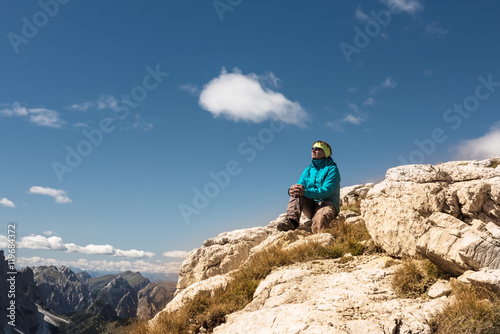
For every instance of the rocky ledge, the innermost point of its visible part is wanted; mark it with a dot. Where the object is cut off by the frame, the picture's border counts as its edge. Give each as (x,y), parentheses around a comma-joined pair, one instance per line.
(448,213)
(330,297)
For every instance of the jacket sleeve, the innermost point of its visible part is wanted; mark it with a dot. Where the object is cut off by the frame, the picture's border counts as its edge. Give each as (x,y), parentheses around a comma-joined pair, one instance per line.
(303,177)
(326,189)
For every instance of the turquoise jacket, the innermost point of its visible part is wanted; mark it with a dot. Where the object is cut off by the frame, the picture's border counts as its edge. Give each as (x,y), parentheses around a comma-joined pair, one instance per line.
(321,181)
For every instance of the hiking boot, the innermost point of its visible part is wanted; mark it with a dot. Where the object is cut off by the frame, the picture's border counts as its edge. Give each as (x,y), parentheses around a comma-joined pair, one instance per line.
(287,225)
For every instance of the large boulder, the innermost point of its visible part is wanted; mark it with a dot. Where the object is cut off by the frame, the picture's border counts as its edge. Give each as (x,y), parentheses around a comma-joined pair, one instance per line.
(220,255)
(448,212)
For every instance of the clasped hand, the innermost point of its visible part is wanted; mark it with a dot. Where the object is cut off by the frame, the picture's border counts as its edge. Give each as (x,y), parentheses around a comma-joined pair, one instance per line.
(296,190)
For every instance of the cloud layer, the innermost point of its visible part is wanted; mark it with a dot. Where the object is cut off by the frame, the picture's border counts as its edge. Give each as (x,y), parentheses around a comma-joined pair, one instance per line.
(59,195)
(56,243)
(242,97)
(103,265)
(483,147)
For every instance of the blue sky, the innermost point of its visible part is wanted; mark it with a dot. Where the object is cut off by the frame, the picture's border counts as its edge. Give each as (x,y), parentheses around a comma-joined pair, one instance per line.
(131,131)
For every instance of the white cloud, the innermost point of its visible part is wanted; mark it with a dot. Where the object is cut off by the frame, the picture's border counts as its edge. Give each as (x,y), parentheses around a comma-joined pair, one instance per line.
(59,195)
(103,102)
(91,249)
(5,202)
(483,147)
(139,123)
(355,117)
(352,89)
(388,83)
(369,101)
(39,116)
(353,107)
(56,243)
(4,241)
(269,79)
(49,233)
(133,253)
(14,110)
(41,242)
(434,29)
(409,6)
(107,102)
(104,265)
(191,89)
(45,117)
(242,97)
(81,107)
(176,254)
(350,118)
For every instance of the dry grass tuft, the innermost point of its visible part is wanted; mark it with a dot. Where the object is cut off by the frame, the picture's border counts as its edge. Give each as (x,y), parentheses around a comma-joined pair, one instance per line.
(475,310)
(414,278)
(349,238)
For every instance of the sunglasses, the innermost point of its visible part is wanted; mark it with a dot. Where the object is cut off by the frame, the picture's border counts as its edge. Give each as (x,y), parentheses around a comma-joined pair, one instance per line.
(317,149)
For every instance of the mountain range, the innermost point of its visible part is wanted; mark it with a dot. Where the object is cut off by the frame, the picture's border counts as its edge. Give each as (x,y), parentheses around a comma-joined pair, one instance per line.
(51,299)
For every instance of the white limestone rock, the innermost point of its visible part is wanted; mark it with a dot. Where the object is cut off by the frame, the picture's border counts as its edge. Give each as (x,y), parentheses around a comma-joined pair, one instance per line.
(329,297)
(208,285)
(487,277)
(355,221)
(439,289)
(352,195)
(447,212)
(220,255)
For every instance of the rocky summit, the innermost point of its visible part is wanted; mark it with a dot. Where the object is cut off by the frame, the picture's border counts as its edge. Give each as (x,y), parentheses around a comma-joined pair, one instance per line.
(448,213)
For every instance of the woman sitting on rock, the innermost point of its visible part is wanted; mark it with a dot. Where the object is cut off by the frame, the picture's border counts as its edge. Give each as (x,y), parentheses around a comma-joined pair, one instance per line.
(316,194)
